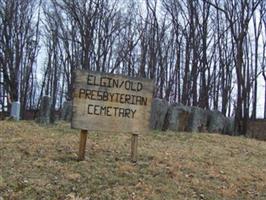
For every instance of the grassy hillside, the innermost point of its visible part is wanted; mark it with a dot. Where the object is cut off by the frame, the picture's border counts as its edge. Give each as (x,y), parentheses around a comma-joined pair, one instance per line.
(40,163)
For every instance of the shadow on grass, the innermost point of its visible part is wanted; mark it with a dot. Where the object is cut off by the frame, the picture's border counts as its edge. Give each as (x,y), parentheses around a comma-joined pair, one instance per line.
(66,158)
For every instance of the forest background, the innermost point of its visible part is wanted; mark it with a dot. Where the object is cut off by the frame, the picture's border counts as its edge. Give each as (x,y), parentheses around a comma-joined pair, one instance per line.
(205,53)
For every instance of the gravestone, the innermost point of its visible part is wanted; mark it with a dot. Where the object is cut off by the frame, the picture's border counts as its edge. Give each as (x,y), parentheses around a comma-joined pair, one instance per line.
(45,109)
(159,108)
(177,117)
(15,110)
(229,126)
(216,122)
(66,112)
(198,119)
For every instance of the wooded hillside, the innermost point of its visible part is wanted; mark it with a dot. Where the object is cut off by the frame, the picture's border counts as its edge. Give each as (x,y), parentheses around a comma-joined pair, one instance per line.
(204,53)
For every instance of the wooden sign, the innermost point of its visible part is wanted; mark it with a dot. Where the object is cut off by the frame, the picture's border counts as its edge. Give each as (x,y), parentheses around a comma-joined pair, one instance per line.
(108,102)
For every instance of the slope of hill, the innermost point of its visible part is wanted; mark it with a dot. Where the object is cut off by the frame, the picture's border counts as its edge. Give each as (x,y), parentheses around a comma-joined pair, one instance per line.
(38,162)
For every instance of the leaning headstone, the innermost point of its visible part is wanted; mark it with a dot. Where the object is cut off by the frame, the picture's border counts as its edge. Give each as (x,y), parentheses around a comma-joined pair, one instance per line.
(66,113)
(216,122)
(177,117)
(198,119)
(15,110)
(45,109)
(159,109)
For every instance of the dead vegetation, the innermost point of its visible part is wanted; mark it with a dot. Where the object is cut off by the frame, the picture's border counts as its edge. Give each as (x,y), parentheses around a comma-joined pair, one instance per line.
(40,163)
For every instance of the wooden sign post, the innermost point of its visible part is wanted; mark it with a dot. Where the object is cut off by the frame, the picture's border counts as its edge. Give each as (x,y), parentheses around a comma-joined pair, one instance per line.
(82,144)
(111,103)
(134,147)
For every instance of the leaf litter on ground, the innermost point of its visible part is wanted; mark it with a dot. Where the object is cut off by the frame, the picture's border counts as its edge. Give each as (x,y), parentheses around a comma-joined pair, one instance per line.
(40,162)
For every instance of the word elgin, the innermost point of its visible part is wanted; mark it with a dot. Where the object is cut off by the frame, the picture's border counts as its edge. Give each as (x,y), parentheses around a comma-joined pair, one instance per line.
(111,82)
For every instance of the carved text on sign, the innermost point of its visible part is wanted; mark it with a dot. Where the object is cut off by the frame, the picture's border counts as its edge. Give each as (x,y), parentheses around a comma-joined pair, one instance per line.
(122,102)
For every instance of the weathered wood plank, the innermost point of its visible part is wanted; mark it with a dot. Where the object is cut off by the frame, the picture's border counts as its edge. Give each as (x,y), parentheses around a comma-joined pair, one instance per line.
(108,102)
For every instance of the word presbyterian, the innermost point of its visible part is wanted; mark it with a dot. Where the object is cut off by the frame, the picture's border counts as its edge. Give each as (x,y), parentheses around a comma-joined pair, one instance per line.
(105,81)
(110,111)
(98,95)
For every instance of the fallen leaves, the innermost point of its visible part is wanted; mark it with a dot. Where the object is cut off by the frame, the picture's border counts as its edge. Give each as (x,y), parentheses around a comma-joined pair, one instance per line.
(39,162)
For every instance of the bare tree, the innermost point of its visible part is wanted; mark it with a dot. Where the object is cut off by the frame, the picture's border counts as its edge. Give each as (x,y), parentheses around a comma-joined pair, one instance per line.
(19,30)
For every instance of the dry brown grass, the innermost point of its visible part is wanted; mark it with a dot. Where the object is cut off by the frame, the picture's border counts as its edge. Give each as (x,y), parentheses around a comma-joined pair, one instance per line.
(39,162)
